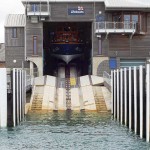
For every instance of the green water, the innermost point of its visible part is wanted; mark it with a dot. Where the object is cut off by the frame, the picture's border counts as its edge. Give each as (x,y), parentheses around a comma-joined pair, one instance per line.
(70,131)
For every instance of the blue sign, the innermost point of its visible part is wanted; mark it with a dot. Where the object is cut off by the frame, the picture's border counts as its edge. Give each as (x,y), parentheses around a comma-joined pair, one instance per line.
(112,63)
(76,11)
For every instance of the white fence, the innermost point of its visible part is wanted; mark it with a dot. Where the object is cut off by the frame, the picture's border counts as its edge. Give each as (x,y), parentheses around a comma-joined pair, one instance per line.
(14,107)
(131,99)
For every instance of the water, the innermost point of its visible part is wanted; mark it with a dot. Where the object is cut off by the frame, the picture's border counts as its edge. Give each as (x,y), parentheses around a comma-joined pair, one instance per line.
(70,131)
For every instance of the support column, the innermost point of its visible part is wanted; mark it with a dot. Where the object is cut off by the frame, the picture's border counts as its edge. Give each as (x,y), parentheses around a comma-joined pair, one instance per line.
(125,95)
(135,100)
(115,98)
(112,92)
(3,97)
(130,99)
(14,97)
(148,103)
(121,96)
(118,98)
(31,69)
(141,100)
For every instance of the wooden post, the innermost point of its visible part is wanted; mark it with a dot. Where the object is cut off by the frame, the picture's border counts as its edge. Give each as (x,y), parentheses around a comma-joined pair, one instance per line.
(148,103)
(3,97)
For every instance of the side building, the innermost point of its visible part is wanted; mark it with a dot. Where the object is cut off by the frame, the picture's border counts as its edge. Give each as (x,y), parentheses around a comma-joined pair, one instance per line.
(115,34)
(2,55)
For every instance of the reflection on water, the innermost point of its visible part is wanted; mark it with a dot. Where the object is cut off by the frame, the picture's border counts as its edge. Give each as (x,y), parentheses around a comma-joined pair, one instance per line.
(70,131)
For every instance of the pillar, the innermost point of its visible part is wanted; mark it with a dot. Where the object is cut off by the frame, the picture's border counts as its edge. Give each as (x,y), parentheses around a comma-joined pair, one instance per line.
(3,97)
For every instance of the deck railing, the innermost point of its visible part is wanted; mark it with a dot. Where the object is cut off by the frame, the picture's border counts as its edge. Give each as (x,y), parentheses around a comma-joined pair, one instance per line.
(38,10)
(114,26)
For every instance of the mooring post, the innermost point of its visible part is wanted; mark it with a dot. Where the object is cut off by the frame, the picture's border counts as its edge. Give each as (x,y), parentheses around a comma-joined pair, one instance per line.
(148,102)
(141,100)
(121,96)
(115,94)
(135,100)
(112,92)
(130,99)
(3,97)
(125,96)
(118,98)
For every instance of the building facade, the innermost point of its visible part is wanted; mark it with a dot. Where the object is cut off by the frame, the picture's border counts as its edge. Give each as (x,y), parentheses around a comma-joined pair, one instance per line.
(116,34)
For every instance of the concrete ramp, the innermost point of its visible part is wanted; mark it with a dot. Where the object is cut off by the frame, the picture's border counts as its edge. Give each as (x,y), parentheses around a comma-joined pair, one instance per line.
(75,99)
(61,99)
(43,93)
(97,80)
(88,98)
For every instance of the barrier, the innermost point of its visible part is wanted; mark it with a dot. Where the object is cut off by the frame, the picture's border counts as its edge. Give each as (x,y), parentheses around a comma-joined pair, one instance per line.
(131,99)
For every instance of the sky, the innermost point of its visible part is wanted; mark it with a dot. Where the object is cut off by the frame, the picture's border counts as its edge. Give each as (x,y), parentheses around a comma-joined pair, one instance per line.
(8,7)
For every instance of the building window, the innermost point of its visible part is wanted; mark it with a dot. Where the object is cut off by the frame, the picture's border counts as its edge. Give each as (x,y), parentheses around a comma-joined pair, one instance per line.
(34,45)
(14,32)
(34,7)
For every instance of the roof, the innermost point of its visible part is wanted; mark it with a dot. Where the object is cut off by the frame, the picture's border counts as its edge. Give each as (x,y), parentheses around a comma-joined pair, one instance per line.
(24,1)
(127,3)
(2,52)
(108,3)
(15,20)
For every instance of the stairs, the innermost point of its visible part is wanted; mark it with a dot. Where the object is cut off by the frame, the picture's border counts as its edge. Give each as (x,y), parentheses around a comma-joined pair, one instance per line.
(100,102)
(37,102)
(68,89)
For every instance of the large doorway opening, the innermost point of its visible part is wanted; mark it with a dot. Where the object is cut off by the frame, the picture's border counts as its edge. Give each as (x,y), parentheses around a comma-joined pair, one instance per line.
(67,43)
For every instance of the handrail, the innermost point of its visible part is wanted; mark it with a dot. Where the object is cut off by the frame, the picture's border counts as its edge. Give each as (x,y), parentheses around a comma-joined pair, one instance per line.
(107,78)
(115,25)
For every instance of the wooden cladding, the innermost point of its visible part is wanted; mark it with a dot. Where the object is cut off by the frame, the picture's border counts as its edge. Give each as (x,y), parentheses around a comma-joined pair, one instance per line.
(119,43)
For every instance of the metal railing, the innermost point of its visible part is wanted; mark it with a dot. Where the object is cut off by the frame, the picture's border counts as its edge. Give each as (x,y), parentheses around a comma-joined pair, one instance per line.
(107,78)
(115,25)
(9,82)
(38,9)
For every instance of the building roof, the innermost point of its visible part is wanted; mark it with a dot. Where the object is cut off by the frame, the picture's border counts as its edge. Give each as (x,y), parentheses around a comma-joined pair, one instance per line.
(2,52)
(108,3)
(15,20)
(127,3)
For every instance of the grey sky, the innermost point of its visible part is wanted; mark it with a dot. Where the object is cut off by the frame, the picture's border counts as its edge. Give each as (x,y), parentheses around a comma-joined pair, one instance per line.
(8,7)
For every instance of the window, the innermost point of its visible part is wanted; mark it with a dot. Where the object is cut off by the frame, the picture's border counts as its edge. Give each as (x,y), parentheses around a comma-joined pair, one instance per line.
(34,7)
(34,45)
(14,32)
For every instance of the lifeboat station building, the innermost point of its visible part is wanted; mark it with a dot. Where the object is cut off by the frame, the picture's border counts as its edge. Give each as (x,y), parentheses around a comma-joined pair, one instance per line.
(113,34)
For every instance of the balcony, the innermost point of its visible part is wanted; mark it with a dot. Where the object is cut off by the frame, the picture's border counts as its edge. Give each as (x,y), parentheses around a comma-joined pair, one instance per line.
(115,27)
(38,10)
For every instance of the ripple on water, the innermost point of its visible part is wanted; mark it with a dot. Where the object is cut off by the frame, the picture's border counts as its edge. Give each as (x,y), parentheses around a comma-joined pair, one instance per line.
(70,130)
